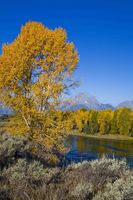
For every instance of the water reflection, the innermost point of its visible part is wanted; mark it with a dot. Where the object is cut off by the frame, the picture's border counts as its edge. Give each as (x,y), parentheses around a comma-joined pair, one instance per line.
(83,148)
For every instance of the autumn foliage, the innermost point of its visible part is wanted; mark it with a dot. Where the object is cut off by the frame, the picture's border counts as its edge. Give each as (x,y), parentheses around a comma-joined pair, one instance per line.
(114,122)
(35,69)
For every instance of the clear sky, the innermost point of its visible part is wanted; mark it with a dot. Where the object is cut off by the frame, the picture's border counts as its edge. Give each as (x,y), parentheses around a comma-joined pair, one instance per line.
(102,31)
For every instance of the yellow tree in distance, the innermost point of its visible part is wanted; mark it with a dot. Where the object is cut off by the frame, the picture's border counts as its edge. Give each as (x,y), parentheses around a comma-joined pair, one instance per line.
(35,69)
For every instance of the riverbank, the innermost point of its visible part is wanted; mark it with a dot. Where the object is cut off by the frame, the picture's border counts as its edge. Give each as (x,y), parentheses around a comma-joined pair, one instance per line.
(106,137)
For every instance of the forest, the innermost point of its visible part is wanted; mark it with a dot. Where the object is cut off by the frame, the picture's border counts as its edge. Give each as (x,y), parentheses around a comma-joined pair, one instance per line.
(116,122)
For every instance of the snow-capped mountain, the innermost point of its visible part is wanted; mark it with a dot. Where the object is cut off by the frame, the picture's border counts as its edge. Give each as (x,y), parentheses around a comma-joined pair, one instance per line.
(84,100)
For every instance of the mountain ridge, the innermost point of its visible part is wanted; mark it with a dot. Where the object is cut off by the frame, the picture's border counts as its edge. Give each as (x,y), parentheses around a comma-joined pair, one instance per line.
(84,100)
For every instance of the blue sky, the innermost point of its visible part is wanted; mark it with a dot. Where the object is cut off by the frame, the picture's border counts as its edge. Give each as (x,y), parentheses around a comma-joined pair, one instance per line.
(102,31)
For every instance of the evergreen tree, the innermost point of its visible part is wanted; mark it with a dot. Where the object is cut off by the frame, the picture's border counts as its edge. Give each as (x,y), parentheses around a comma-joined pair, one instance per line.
(93,122)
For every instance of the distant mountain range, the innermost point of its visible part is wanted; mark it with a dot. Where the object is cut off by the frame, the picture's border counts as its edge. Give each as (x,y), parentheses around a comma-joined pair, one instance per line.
(89,102)
(81,100)
(128,104)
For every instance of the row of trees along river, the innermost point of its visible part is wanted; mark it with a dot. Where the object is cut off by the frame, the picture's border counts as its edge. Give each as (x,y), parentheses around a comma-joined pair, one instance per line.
(109,121)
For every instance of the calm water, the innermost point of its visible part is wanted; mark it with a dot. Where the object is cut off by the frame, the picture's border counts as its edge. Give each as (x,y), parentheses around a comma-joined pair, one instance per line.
(83,148)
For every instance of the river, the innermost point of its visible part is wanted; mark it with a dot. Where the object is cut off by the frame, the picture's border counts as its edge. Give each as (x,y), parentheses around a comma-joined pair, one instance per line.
(85,148)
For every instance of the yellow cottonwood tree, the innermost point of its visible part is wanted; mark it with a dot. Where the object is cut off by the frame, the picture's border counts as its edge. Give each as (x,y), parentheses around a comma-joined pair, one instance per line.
(81,118)
(35,69)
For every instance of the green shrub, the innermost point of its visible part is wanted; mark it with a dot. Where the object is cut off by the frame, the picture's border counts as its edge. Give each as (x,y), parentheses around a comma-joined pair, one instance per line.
(11,148)
(22,178)
(121,189)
